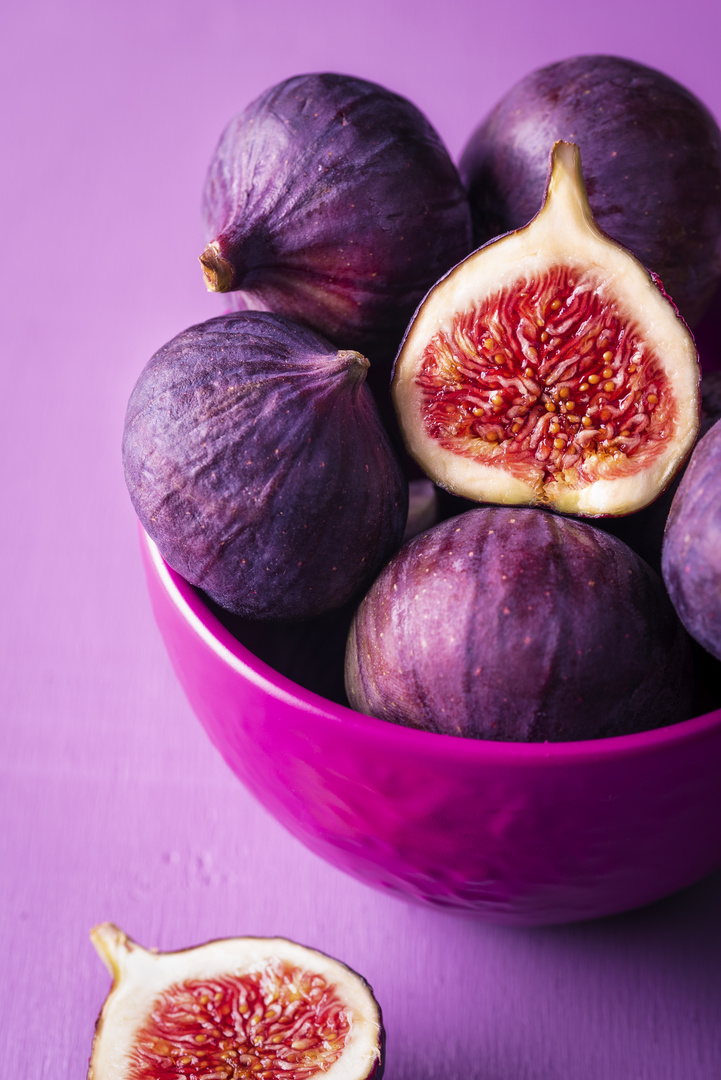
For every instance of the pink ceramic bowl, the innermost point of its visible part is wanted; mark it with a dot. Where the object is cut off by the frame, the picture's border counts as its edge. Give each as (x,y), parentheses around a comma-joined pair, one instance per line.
(514,833)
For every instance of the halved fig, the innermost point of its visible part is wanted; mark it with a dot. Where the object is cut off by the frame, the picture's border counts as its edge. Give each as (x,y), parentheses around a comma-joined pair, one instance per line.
(260,1008)
(549,368)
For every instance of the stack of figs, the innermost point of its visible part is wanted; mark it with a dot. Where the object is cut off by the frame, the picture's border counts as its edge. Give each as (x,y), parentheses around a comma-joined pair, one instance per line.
(513,335)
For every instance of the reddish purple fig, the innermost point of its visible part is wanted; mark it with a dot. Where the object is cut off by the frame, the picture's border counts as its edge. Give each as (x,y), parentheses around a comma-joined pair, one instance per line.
(651,156)
(691,558)
(519,625)
(256,460)
(333,201)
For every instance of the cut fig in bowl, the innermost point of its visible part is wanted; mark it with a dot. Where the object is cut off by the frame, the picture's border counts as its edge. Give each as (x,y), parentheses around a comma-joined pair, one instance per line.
(549,368)
(239,1007)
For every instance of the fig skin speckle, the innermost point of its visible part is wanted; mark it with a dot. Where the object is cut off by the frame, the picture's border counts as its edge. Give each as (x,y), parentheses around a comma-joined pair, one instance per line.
(256,460)
(519,625)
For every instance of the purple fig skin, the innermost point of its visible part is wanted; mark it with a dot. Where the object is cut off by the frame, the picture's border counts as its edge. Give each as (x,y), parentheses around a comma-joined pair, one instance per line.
(333,201)
(522,626)
(256,460)
(691,557)
(651,161)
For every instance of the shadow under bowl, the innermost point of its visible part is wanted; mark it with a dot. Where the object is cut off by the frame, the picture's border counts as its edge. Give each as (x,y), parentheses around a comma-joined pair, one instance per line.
(516,833)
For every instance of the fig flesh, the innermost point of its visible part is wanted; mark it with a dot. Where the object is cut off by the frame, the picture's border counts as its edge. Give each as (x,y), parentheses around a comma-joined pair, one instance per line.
(256,460)
(652,162)
(519,625)
(233,1008)
(548,368)
(333,201)
(691,556)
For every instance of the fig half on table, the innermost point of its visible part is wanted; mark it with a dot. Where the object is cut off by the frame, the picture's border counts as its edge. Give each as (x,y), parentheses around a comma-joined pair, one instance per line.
(549,368)
(234,1008)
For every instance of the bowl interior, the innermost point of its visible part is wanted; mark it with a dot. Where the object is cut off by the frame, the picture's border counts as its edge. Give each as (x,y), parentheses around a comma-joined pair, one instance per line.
(514,832)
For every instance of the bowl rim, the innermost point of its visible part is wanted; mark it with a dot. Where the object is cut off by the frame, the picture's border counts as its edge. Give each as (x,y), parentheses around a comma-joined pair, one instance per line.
(189,603)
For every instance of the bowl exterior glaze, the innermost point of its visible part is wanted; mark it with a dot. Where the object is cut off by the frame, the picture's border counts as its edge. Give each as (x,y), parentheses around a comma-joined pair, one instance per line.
(514,833)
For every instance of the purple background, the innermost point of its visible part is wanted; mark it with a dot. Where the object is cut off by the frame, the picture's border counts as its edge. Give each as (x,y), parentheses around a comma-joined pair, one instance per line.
(114,804)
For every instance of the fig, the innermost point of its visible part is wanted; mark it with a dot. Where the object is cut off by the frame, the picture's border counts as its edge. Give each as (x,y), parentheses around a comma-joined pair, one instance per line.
(333,201)
(522,626)
(234,1008)
(548,368)
(691,555)
(652,159)
(256,460)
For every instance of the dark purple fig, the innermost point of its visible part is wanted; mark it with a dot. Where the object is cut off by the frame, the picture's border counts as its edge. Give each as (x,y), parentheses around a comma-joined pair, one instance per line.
(256,460)
(522,626)
(333,201)
(652,163)
(691,558)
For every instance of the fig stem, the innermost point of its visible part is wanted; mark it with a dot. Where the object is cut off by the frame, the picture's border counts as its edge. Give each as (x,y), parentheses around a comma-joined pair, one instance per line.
(566,194)
(110,941)
(217,271)
(357,364)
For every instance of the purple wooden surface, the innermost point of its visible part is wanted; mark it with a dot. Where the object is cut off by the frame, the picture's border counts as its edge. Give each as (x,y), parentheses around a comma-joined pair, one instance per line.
(114,804)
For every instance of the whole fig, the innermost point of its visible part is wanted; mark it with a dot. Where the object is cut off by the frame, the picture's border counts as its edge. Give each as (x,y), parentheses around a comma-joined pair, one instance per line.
(255,459)
(333,201)
(519,625)
(691,556)
(652,162)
